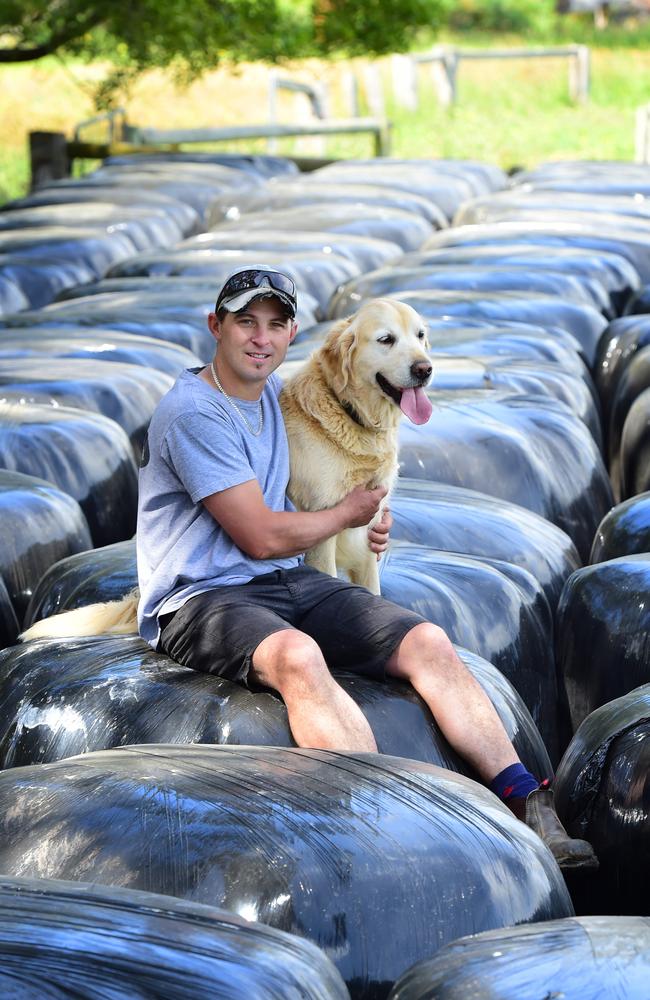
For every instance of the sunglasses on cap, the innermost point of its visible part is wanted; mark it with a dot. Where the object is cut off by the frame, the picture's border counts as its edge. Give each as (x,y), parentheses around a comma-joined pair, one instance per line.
(256,280)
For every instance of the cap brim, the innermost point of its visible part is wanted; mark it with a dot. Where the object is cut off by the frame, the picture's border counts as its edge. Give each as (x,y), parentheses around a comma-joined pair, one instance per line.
(238,302)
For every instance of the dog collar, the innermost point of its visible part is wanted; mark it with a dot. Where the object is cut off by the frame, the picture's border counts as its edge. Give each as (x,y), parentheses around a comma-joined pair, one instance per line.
(352,414)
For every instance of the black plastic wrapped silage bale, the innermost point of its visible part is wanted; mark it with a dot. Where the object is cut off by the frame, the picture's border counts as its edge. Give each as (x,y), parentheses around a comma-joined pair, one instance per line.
(378,860)
(61,939)
(589,958)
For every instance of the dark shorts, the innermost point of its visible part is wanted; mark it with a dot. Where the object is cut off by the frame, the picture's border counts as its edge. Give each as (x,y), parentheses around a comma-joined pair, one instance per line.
(217,632)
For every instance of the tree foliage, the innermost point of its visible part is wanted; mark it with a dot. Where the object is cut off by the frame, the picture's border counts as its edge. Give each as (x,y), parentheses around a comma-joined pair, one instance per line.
(196,34)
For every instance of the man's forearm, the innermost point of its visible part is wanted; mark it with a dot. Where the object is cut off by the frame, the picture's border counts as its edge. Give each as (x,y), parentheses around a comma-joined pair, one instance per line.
(288,533)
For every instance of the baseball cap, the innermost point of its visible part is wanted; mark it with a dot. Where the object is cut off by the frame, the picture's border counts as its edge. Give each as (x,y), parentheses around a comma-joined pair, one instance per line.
(253,283)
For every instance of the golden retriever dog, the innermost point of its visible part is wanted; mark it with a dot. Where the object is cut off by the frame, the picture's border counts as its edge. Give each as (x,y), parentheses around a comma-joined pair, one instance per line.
(342,411)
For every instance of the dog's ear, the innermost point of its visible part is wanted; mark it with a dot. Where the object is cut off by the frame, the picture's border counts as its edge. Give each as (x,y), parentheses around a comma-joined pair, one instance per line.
(338,352)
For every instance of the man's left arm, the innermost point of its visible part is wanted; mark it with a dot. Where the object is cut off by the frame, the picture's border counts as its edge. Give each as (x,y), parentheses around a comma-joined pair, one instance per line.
(378,533)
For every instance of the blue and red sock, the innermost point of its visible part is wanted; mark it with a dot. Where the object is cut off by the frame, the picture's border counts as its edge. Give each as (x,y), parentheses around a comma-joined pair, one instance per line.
(514,782)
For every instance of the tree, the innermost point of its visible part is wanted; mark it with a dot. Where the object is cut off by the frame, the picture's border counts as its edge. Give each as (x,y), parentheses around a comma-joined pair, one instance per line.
(196,34)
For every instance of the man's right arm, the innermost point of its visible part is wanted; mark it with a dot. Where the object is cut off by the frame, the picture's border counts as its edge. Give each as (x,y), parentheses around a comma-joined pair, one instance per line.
(263,533)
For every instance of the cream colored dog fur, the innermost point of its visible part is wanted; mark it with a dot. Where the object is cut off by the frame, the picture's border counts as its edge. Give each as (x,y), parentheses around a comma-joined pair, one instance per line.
(342,425)
(342,411)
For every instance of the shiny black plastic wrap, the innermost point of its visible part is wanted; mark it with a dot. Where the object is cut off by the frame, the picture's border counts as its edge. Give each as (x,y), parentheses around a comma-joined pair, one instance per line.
(95,344)
(196,184)
(183,326)
(145,227)
(378,860)
(613,272)
(85,454)
(406,229)
(445,187)
(635,448)
(489,606)
(366,251)
(64,697)
(9,627)
(473,175)
(529,450)
(639,303)
(526,199)
(578,958)
(68,244)
(126,945)
(102,574)
(508,339)
(41,279)
(127,394)
(602,793)
(624,531)
(292,193)
(209,174)
(618,345)
(39,525)
(458,520)
(603,617)
(71,192)
(465,277)
(526,378)
(632,244)
(610,178)
(259,165)
(583,321)
(12,297)
(633,380)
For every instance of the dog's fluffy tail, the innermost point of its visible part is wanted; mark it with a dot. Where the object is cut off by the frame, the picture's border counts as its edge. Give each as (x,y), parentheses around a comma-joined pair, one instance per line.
(110,618)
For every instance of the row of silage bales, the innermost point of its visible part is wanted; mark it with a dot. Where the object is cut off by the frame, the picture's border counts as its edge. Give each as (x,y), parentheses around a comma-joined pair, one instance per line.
(302,841)
(603,618)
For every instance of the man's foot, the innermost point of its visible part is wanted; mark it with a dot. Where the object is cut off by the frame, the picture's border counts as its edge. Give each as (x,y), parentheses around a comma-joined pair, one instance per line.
(537,811)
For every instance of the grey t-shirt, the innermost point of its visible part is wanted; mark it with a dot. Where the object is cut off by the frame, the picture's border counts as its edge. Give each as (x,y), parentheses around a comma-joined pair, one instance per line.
(197,444)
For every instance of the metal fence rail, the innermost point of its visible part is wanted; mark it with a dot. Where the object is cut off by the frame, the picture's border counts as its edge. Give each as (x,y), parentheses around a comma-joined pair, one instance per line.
(52,154)
(445,61)
(378,129)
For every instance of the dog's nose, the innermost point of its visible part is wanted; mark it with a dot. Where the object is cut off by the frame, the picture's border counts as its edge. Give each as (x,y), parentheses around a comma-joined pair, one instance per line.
(421,370)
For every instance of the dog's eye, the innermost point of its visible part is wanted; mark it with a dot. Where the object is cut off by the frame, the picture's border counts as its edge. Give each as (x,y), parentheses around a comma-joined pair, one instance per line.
(387,339)
(420,334)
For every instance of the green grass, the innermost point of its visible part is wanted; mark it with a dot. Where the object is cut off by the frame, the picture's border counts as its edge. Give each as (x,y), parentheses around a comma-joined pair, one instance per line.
(510,113)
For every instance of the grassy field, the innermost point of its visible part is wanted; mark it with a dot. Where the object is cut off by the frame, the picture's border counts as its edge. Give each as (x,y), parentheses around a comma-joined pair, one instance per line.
(510,113)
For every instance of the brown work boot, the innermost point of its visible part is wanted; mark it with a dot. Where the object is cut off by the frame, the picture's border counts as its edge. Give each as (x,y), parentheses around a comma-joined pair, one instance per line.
(537,811)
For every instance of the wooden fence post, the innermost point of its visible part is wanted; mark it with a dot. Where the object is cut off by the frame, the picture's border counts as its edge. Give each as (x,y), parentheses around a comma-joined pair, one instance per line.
(49,158)
(405,81)
(642,135)
(374,90)
(350,88)
(579,74)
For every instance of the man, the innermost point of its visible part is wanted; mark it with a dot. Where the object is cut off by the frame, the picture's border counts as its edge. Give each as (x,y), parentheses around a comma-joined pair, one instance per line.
(224,589)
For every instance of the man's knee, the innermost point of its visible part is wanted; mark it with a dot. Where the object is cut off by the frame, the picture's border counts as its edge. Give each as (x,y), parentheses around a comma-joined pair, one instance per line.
(289,659)
(424,648)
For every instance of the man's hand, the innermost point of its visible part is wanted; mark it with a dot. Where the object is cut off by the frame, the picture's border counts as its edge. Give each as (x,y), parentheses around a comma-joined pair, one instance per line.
(378,533)
(361,504)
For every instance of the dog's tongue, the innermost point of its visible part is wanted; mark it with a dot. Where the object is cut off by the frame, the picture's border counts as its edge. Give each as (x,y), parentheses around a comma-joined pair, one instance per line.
(415,405)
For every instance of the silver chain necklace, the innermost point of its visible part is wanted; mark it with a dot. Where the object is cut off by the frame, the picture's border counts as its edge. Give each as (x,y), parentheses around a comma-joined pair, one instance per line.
(260,423)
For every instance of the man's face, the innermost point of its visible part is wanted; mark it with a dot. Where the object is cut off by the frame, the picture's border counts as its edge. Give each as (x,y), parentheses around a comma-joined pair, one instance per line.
(251,345)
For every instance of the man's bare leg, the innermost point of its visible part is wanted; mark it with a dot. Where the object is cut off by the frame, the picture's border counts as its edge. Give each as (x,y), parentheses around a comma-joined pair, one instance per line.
(465,714)
(321,714)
